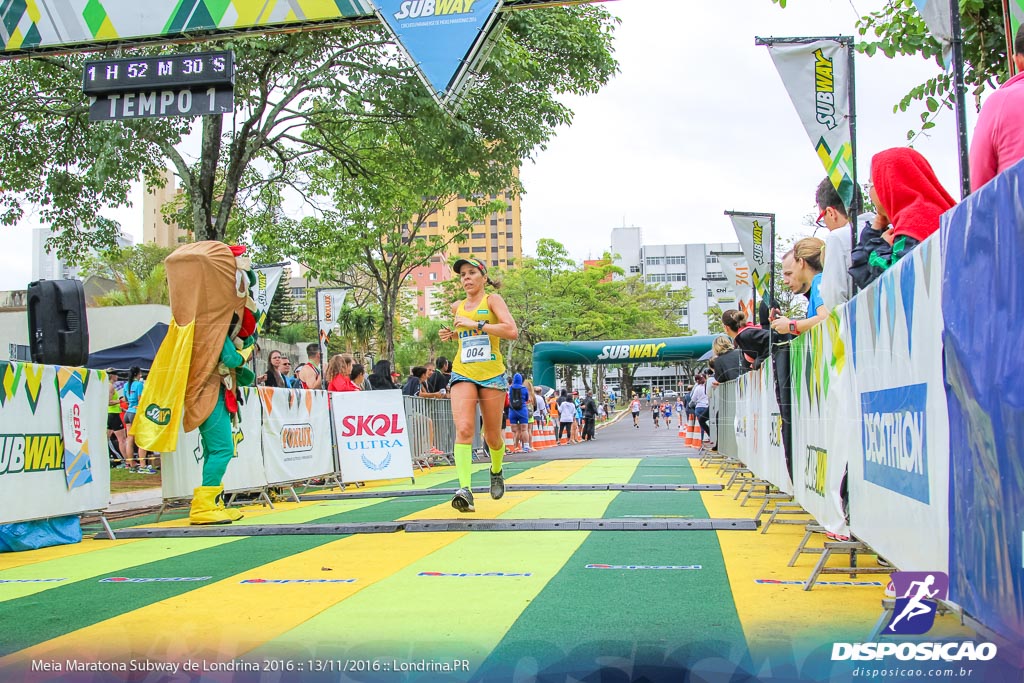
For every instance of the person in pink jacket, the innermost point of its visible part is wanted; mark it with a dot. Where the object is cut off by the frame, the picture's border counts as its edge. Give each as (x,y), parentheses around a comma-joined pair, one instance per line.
(999,136)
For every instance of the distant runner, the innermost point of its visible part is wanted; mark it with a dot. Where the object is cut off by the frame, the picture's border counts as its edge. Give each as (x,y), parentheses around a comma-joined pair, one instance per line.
(634,407)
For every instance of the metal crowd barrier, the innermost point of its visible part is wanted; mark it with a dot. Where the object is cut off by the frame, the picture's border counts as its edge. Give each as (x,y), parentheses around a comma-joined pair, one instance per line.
(431,430)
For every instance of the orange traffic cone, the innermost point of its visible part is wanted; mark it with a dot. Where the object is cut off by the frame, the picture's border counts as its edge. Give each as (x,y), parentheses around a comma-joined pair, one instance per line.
(693,435)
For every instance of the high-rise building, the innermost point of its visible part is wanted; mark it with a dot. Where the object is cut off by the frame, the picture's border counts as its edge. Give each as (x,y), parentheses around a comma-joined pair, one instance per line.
(155,228)
(678,265)
(497,241)
(49,266)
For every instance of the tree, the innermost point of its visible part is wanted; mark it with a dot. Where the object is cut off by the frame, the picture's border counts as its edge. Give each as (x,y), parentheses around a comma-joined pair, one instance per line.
(137,272)
(136,291)
(296,95)
(714,316)
(282,308)
(377,230)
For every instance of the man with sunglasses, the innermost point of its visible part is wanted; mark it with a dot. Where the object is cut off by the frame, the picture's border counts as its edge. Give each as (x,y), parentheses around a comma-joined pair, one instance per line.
(836,287)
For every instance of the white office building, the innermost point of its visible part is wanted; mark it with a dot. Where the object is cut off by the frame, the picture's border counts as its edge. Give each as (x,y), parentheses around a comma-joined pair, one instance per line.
(48,266)
(678,265)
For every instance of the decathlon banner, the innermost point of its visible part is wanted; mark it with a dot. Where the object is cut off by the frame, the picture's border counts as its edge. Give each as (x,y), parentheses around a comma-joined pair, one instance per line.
(817,77)
(738,275)
(328,307)
(372,435)
(755,232)
(825,422)
(267,280)
(899,471)
(183,470)
(35,479)
(441,37)
(296,434)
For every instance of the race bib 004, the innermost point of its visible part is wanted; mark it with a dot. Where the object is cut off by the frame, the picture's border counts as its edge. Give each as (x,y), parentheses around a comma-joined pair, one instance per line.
(476,349)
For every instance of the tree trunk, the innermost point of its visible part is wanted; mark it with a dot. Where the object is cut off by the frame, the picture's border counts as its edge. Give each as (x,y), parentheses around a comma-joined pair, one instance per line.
(203,224)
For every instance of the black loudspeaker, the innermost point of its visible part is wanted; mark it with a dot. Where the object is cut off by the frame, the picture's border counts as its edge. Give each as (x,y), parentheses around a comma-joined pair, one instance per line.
(58,331)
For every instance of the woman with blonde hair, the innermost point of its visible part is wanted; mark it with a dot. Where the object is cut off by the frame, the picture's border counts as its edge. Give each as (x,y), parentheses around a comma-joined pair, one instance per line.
(479,322)
(801,271)
(337,373)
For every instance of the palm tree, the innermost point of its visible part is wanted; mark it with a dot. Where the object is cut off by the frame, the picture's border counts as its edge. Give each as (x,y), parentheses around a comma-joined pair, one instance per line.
(133,291)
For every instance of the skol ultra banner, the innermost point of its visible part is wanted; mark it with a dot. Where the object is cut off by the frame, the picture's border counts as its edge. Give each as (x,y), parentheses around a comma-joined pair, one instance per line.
(741,281)
(267,280)
(372,435)
(441,37)
(296,434)
(817,75)
(38,25)
(34,476)
(183,470)
(328,306)
(755,232)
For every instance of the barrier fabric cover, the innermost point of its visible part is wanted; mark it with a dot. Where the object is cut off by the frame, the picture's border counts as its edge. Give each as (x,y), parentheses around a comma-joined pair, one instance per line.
(983,307)
(822,428)
(183,470)
(296,435)
(33,484)
(372,435)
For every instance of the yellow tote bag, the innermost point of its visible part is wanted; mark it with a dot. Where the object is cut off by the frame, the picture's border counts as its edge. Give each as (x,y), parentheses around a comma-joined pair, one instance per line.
(162,404)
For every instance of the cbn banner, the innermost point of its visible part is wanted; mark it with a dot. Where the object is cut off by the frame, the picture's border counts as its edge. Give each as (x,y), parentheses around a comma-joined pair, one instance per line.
(183,470)
(755,233)
(372,435)
(328,306)
(33,456)
(899,469)
(441,37)
(817,76)
(41,24)
(296,434)
(825,424)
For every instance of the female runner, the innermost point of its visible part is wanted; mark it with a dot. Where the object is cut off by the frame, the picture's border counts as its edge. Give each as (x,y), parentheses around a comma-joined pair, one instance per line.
(478,375)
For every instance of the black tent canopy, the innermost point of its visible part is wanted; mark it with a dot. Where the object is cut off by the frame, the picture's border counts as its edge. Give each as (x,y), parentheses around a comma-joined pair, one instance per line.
(140,352)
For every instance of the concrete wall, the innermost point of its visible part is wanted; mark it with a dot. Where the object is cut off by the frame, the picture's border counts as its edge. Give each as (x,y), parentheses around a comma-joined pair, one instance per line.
(108,325)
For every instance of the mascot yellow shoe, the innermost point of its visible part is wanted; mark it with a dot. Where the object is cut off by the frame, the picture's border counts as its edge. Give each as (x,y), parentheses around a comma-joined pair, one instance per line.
(208,507)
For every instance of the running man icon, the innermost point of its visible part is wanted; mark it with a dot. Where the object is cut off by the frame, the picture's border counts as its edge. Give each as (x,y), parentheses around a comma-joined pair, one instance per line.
(915,609)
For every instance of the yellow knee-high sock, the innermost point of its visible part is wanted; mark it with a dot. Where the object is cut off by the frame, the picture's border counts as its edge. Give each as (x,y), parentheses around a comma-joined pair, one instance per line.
(464,463)
(497,457)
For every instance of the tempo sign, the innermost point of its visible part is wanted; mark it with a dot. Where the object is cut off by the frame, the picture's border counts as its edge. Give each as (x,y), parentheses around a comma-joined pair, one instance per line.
(197,84)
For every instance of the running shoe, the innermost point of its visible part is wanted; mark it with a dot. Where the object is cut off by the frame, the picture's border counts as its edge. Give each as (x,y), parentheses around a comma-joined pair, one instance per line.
(147,470)
(890,590)
(463,501)
(836,537)
(527,449)
(497,484)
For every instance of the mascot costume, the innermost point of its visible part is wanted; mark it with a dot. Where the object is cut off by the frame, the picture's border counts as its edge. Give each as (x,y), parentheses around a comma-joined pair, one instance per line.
(196,375)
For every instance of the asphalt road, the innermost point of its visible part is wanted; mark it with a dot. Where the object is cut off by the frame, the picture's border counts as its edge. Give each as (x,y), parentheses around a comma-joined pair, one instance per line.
(622,440)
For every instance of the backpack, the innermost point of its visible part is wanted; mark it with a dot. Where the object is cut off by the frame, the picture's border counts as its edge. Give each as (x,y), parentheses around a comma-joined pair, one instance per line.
(516,398)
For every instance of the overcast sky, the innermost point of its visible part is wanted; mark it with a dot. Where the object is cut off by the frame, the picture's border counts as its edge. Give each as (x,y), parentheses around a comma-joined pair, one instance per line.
(696,123)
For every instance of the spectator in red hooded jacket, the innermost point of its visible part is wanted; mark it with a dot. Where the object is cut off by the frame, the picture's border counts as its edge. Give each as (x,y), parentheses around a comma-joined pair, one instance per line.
(909,200)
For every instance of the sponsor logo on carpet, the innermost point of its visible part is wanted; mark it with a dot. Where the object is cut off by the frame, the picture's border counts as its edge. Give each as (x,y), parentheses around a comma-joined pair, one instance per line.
(31,580)
(161,579)
(298,580)
(778,582)
(472,574)
(644,566)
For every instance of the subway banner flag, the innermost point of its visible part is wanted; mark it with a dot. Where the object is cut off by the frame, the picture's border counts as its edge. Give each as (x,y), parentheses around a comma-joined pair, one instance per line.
(755,233)
(816,75)
(441,37)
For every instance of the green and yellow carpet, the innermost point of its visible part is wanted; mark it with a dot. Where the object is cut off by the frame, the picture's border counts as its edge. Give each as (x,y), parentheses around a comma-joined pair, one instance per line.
(511,605)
